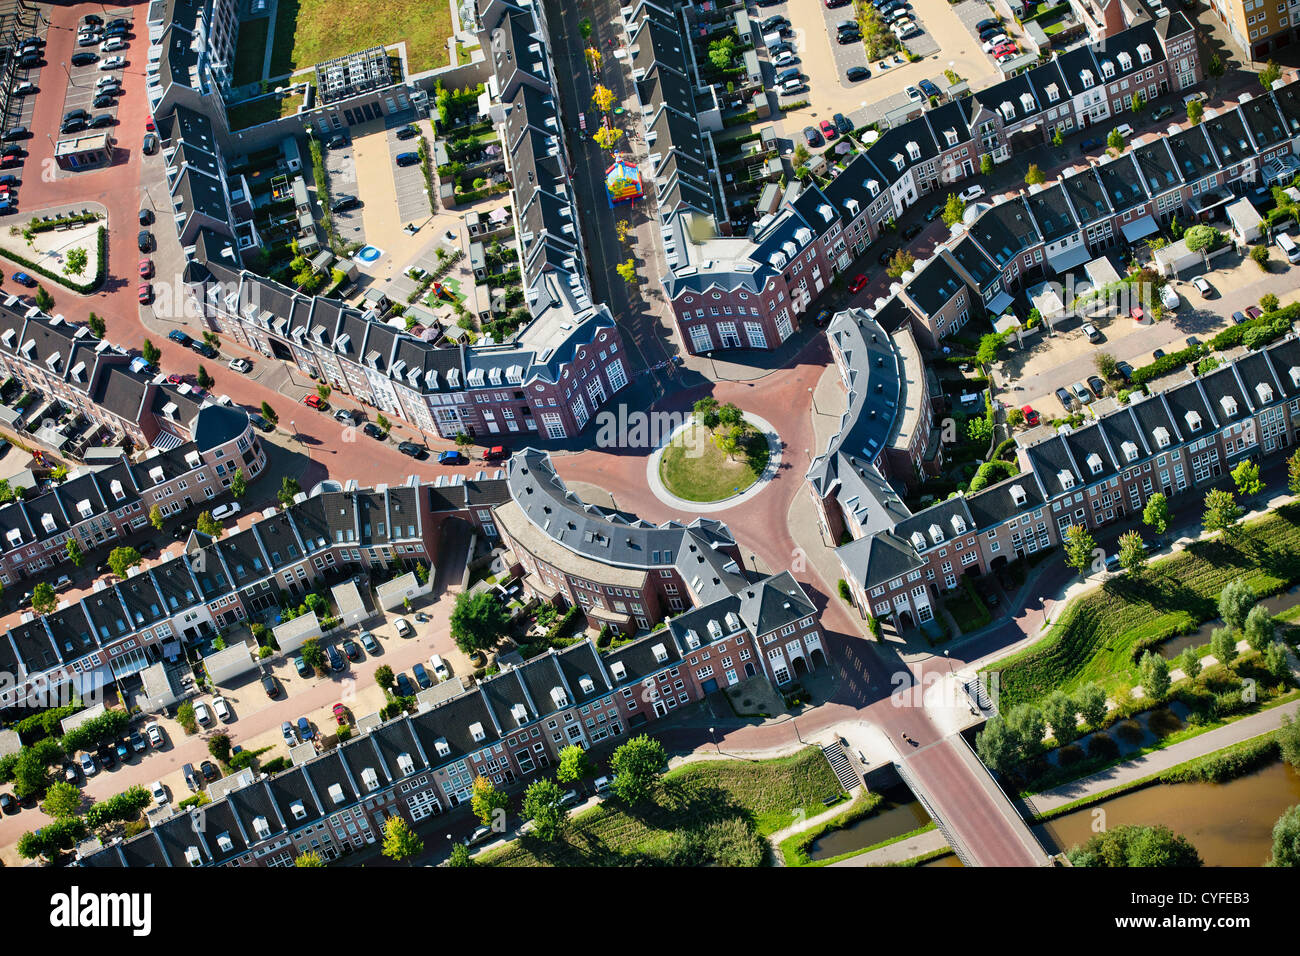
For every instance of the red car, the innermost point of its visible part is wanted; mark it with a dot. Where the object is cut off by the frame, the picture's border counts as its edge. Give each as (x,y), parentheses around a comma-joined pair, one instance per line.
(858,284)
(340,714)
(1006,49)
(495,453)
(148,124)
(1031,416)
(146,293)
(174,380)
(828,130)
(146,268)
(313,401)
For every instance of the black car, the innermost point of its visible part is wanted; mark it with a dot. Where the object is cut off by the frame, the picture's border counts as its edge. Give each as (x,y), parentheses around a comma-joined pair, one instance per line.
(1158,354)
(74,126)
(337,142)
(1089,144)
(404,688)
(1096,384)
(373,430)
(92,20)
(912,231)
(269,685)
(987,24)
(773,21)
(146,216)
(150,144)
(84,57)
(204,349)
(343,203)
(260,422)
(144,241)
(101,120)
(842,123)
(352,650)
(1193,342)
(812,136)
(849,36)
(411,448)
(103,101)
(1125,370)
(885,256)
(8,804)
(209,770)
(928,88)
(855,74)
(409,131)
(935,212)
(335,658)
(106,758)
(71,115)
(13,149)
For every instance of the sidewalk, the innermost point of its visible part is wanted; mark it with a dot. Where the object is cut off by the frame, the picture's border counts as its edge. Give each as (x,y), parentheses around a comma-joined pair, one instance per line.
(899,852)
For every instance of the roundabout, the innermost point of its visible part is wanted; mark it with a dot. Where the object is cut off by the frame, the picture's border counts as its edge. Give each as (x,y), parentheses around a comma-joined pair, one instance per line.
(690,473)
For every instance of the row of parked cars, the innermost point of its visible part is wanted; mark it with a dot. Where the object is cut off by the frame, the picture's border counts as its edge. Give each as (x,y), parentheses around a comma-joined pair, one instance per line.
(122,750)
(996,42)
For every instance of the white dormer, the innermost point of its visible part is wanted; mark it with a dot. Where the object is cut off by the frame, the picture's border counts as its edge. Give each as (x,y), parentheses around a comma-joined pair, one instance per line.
(84,508)
(715,629)
(370,778)
(1007,110)
(1265,392)
(157,475)
(442,747)
(586,684)
(1229,405)
(520,713)
(918,541)
(559,697)
(1066,478)
(14,537)
(261,828)
(192,856)
(873,187)
(115,487)
(405,764)
(733,622)
(1161,435)
(660,652)
(298,809)
(618,671)
(1107,69)
(336,793)
(494,376)
(692,639)
(950,136)
(1295,375)
(936,533)
(803,235)
(1053,92)
(853,206)
(1018,495)
(476,731)
(1087,79)
(899,163)
(1144,53)
(826,212)
(1193,419)
(47,522)
(1125,61)
(958,524)
(1094,463)
(1130,450)
(1027,104)
(225,843)
(913,151)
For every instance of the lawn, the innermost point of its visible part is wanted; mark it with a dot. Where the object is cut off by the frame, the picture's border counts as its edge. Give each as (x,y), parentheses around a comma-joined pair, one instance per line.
(250,50)
(694,468)
(308,32)
(706,813)
(1098,636)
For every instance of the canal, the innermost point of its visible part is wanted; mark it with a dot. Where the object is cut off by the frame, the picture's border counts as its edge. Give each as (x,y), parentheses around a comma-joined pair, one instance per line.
(899,813)
(1199,638)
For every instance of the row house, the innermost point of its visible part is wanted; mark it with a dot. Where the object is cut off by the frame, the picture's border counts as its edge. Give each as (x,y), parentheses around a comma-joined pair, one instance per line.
(1187,434)
(509,729)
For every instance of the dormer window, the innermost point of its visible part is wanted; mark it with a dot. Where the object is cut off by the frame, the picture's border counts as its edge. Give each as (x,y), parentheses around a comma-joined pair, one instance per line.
(1066,478)
(1144,53)
(1053,93)
(1130,450)
(1161,435)
(1265,392)
(1193,419)
(1107,69)
(618,671)
(951,136)
(442,747)
(1008,111)
(715,629)
(1018,495)
(660,652)
(520,714)
(405,764)
(261,828)
(336,793)
(1086,78)
(370,778)
(733,622)
(1125,61)
(225,843)
(958,524)
(918,541)
(116,488)
(559,697)
(1094,463)
(913,152)
(47,522)
(476,731)
(897,160)
(1027,102)
(692,639)
(587,685)
(936,533)
(192,856)
(84,508)
(298,809)
(1229,405)
(873,187)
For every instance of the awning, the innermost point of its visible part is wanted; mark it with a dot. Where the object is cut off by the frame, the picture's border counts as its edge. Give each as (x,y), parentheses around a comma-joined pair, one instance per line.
(166,441)
(999,303)
(1068,259)
(1139,228)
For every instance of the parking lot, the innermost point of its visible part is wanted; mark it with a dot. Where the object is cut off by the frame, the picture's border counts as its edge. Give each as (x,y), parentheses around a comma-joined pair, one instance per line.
(341,166)
(412,197)
(85,81)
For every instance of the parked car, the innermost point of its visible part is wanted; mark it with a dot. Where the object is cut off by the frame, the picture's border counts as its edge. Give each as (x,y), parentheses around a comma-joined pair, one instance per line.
(1081,393)
(912,231)
(914,94)
(1065,398)
(1031,416)
(340,715)
(351,650)
(1157,354)
(158,792)
(971,193)
(260,422)
(404,686)
(1168,297)
(150,144)
(811,136)
(928,88)
(335,658)
(155,732)
(421,675)
(1202,286)
(344,203)
(145,240)
(828,130)
(858,283)
(113,63)
(88,765)
(407,159)
(843,125)
(855,74)
(452,458)
(1097,386)
(209,771)
(301,666)
(404,628)
(439,667)
(269,685)
(316,402)
(411,449)
(191,777)
(286,731)
(1089,144)
(602,784)
(202,714)
(995,41)
(146,293)
(1125,370)
(22,278)
(372,430)
(138,743)
(1254,311)
(1193,342)
(1091,332)
(988,23)
(106,758)
(204,349)
(850,36)
(222,708)
(304,729)
(1161,112)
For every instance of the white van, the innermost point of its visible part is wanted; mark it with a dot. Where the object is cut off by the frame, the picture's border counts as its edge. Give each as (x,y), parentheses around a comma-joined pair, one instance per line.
(439,667)
(1288,246)
(792,86)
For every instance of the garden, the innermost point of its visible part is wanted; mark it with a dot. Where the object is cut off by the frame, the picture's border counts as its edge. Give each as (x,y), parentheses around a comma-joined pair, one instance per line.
(716,456)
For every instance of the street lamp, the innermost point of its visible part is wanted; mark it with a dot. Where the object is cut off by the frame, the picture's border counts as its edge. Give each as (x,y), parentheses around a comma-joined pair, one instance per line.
(813,396)
(715,741)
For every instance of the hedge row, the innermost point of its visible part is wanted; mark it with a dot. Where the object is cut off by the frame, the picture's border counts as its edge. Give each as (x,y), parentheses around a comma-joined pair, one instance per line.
(1163,366)
(83,288)
(1236,335)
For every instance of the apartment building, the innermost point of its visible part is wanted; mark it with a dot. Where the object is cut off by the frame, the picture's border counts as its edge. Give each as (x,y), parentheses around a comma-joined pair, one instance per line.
(1259,27)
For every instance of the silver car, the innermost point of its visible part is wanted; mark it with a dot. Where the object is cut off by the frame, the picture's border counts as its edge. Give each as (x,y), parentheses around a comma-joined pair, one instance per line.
(1081,393)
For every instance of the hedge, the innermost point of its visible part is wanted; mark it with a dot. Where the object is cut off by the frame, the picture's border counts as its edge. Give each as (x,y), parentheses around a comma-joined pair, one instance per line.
(1235,335)
(992,472)
(82,288)
(1163,366)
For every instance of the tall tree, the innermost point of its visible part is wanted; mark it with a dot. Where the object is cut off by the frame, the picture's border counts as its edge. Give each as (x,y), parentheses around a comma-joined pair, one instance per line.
(1221,512)
(1223,645)
(1269,75)
(1246,477)
(1259,628)
(574,765)
(1235,601)
(637,765)
(1034,175)
(401,844)
(1090,701)
(1079,548)
(309,858)
(44,600)
(954,208)
(72,547)
(150,352)
(489,804)
(542,806)
(1136,846)
(208,525)
(269,413)
(997,746)
(477,621)
(1156,513)
(62,799)
(1288,740)
(1153,671)
(289,489)
(1132,552)
(1189,661)
(238,483)
(1059,711)
(1286,839)
(123,559)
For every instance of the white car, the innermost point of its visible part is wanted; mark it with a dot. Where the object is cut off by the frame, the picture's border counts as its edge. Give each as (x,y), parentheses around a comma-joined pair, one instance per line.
(202,714)
(226,510)
(112,45)
(914,94)
(222,708)
(439,667)
(1168,298)
(159,792)
(88,765)
(25,87)
(155,734)
(1124,130)
(1202,286)
(404,628)
(104,81)
(1081,393)
(971,193)
(113,63)
(241,364)
(785,59)
(995,42)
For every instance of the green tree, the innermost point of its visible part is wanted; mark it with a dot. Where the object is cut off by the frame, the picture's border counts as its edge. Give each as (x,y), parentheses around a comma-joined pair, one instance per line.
(1029,726)
(1215,67)
(62,799)
(31,771)
(627,270)
(542,806)
(997,746)
(489,804)
(986,164)
(1034,175)
(460,856)
(309,858)
(1259,628)
(722,52)
(477,621)
(1268,302)
(269,413)
(1115,141)
(185,717)
(44,301)
(156,518)
(1246,477)
(44,600)
(1059,711)
(384,677)
(574,765)
(1156,513)
(1223,645)
(1136,103)
(313,656)
(1136,846)
(219,747)
(122,559)
(1132,552)
(206,524)
(75,261)
(1275,660)
(902,261)
(1259,254)
(150,352)
(1286,839)
(72,548)
(1288,740)
(1105,364)
(1079,548)
(637,765)
(1058,139)
(53,840)
(1153,671)
(384,424)
(1235,602)
(1190,663)
(289,489)
(97,326)
(1293,473)
(1090,701)
(1269,75)
(1195,112)
(323,391)
(954,208)
(1202,238)
(1221,512)
(202,377)
(400,842)
(238,483)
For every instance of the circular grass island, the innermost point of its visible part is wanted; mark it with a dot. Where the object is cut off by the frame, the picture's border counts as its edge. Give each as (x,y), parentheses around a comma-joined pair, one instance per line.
(693,467)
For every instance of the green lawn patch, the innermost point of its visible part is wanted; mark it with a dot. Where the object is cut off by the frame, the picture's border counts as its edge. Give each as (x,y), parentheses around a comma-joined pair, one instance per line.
(250,50)
(694,468)
(1099,635)
(308,32)
(716,812)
